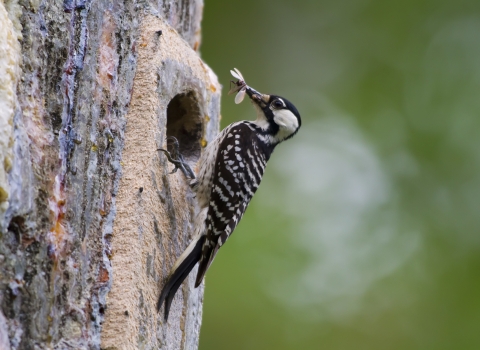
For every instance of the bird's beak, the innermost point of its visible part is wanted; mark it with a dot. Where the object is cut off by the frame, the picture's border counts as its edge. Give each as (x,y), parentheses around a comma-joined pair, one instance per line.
(257,97)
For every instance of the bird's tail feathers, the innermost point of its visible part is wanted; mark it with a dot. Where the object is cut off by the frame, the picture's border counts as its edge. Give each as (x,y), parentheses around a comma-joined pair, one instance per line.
(180,271)
(205,264)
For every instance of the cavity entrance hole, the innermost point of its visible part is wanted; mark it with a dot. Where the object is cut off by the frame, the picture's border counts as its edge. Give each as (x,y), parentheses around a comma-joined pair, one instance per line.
(185,123)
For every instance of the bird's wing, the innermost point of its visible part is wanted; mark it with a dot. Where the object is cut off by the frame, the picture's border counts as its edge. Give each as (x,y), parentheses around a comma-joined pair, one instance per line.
(239,168)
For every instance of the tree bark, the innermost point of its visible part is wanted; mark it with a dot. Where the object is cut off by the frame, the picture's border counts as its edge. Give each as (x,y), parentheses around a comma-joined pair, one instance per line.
(90,219)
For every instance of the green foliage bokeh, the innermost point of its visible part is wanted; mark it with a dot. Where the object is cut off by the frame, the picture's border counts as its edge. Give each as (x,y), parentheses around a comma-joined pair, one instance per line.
(365,232)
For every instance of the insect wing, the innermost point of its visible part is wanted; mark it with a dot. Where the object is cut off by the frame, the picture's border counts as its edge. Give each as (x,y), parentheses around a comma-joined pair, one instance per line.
(234,89)
(239,74)
(240,96)
(236,74)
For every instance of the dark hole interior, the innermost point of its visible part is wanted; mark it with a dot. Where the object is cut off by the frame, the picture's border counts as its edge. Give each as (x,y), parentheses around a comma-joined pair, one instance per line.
(185,123)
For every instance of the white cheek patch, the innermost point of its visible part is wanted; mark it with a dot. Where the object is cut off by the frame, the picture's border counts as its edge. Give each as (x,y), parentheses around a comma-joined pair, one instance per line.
(286,119)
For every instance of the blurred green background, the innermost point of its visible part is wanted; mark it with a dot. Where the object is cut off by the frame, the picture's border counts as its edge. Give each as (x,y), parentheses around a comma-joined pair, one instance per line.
(365,233)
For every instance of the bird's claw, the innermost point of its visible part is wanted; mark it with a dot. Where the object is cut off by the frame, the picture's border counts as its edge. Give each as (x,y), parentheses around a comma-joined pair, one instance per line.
(177,159)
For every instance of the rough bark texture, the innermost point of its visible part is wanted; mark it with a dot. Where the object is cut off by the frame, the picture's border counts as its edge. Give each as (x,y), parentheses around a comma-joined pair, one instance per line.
(90,220)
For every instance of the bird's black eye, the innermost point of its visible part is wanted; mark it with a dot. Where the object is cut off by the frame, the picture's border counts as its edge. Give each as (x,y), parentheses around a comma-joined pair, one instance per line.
(278,104)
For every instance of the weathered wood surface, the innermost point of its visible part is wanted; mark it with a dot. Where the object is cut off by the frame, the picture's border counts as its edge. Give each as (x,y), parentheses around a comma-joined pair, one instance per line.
(90,220)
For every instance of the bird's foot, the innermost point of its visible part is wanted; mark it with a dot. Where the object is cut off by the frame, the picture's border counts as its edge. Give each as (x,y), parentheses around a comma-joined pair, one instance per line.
(177,159)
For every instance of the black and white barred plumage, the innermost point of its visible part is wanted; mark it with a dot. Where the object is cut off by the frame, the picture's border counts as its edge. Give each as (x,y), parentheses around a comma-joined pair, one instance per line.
(230,171)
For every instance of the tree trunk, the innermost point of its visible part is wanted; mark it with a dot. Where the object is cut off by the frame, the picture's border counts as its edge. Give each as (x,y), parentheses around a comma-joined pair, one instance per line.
(90,219)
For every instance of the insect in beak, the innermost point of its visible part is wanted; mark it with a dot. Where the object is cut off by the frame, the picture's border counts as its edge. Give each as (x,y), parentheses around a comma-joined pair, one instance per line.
(241,88)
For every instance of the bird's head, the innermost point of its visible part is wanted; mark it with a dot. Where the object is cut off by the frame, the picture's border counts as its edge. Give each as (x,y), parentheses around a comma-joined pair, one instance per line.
(276,116)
